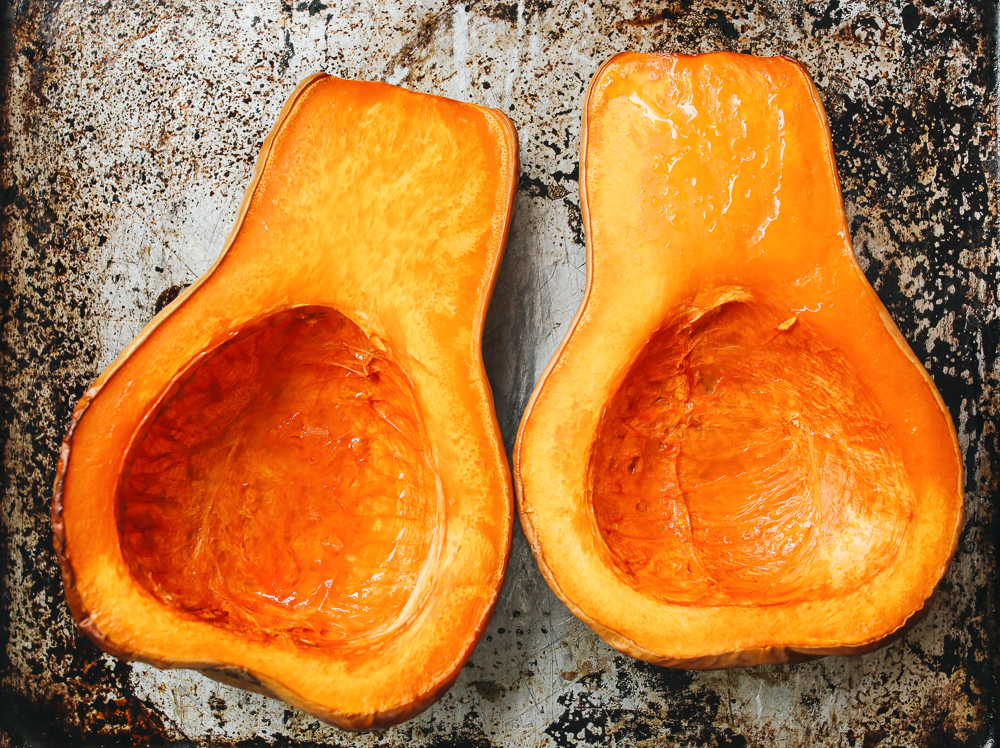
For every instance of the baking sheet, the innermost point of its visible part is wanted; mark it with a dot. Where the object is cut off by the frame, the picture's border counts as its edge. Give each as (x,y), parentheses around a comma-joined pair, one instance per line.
(129,132)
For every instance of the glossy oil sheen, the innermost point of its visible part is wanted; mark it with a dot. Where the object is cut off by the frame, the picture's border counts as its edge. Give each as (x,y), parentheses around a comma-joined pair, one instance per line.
(709,165)
(741,462)
(283,485)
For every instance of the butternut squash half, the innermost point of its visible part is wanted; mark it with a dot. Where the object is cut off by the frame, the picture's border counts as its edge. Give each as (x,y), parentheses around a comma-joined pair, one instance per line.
(293,478)
(734,458)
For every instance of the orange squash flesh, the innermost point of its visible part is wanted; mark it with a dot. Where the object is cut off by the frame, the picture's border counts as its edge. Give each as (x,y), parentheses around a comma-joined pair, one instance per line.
(734,458)
(741,463)
(281,485)
(293,478)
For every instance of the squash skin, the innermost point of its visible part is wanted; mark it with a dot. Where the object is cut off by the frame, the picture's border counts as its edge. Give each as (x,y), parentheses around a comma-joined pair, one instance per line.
(374,683)
(550,472)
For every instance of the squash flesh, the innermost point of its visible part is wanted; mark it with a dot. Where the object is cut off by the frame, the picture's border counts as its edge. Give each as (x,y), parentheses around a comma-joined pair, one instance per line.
(742,463)
(283,486)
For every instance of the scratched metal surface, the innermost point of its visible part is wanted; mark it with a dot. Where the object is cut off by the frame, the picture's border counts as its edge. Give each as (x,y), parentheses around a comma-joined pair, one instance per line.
(129,131)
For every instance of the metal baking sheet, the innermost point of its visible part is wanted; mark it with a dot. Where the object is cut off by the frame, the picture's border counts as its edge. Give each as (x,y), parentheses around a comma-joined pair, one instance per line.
(129,131)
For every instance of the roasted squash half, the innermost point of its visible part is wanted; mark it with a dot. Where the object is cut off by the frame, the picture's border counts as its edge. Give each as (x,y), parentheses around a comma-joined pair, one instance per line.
(293,478)
(734,458)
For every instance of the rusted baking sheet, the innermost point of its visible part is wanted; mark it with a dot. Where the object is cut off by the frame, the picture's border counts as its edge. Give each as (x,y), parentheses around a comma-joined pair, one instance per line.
(129,131)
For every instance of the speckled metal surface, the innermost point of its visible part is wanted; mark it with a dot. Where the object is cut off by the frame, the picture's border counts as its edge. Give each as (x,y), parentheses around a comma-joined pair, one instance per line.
(129,131)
